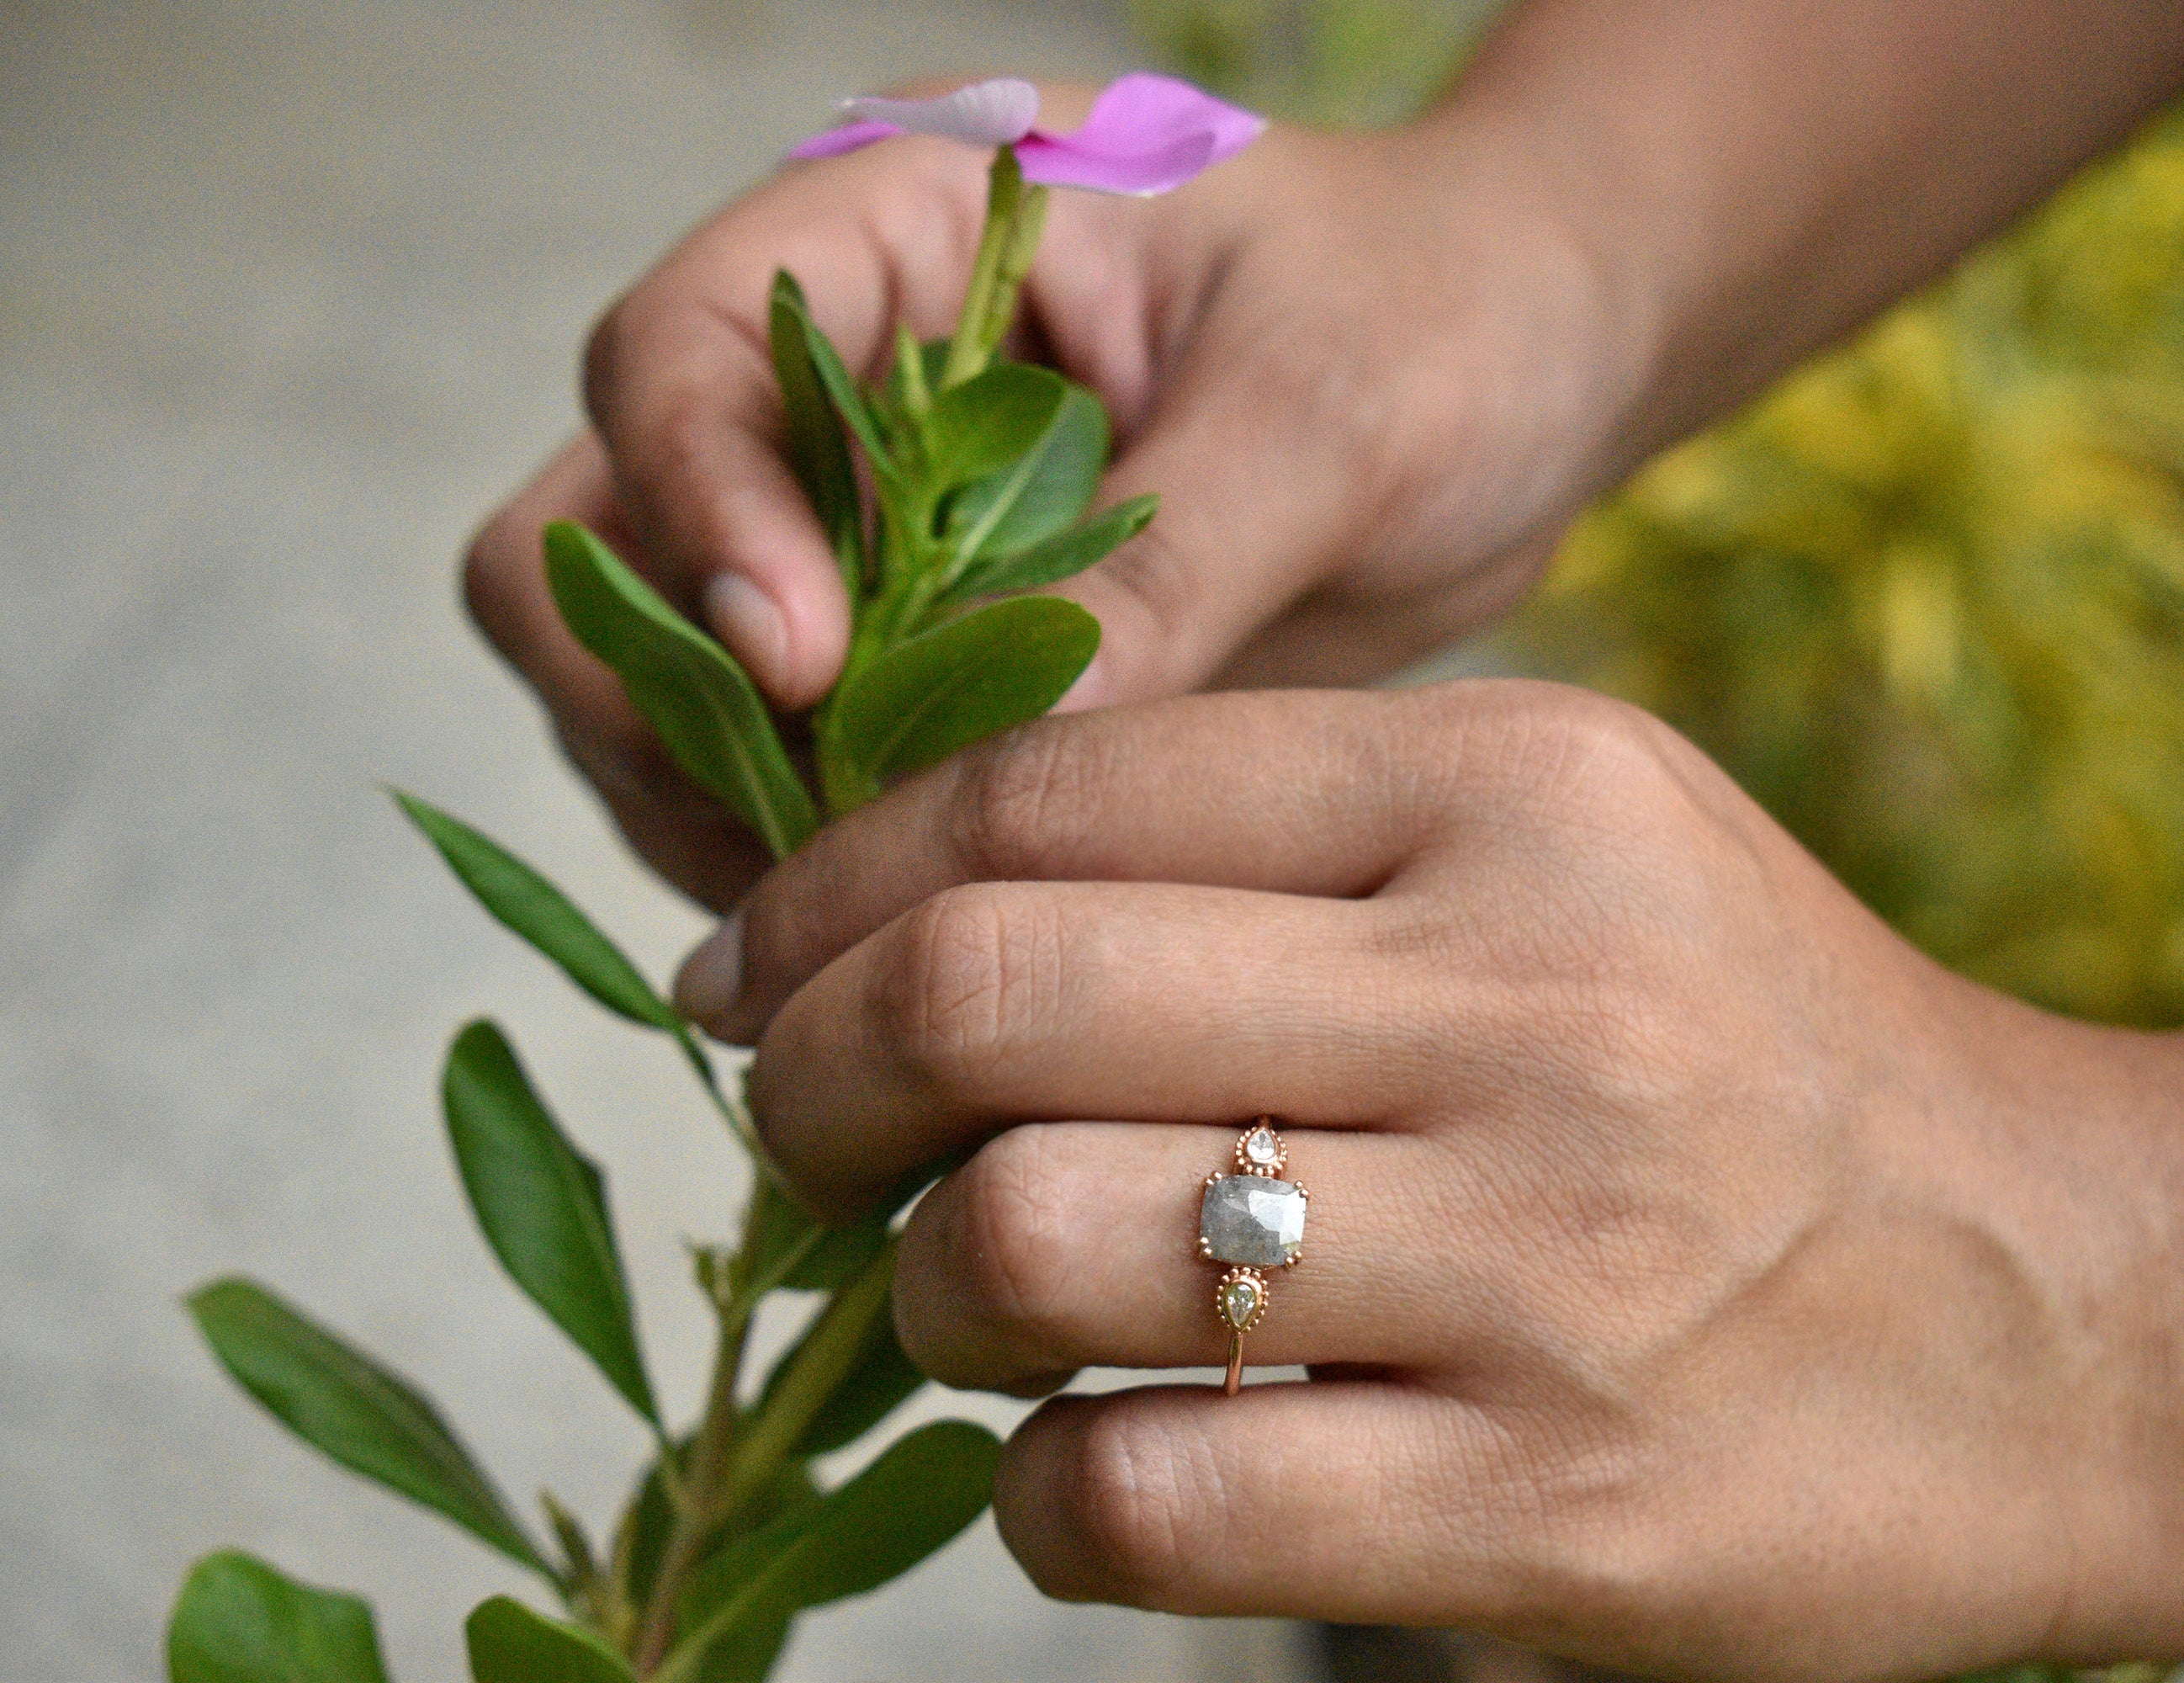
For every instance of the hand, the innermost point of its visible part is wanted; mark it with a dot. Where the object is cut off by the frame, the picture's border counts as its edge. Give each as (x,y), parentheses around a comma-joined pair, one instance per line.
(1697,1280)
(1363,381)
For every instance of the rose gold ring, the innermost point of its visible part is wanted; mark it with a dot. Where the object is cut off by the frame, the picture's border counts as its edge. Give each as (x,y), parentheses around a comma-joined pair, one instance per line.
(1252,1219)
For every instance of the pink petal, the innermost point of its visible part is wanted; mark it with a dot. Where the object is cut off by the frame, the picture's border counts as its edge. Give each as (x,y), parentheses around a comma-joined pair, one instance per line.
(1135,113)
(1060,161)
(833,142)
(985,114)
(1146,134)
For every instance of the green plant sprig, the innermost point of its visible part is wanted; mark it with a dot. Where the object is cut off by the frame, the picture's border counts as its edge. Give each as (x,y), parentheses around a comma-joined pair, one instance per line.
(982,470)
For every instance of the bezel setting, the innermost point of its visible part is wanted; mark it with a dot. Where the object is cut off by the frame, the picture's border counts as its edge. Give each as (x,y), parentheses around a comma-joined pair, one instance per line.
(1236,1277)
(1270,1167)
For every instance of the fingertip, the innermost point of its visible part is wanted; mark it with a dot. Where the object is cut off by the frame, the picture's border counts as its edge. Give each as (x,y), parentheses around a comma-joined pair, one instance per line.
(1091,690)
(711,980)
(1095,1496)
(793,648)
(746,619)
(1032,1498)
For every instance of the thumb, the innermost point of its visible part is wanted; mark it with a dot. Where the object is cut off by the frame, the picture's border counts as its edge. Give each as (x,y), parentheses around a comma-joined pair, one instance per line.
(687,406)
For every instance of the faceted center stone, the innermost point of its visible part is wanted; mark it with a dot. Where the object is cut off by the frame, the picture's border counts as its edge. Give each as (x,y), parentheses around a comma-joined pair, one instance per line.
(1252,1219)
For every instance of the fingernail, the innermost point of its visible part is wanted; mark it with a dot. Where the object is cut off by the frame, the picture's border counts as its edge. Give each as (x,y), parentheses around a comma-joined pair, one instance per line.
(745,618)
(1089,691)
(712,977)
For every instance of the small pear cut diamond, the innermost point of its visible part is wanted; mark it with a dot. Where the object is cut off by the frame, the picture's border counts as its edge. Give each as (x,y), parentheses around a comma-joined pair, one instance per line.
(1261,1150)
(1252,1220)
(1239,1302)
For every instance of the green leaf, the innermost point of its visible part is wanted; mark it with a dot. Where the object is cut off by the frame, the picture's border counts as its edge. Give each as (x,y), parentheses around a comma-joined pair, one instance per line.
(641,1535)
(704,706)
(932,358)
(833,376)
(353,1410)
(838,1254)
(910,1501)
(543,1204)
(988,423)
(1057,558)
(237,1620)
(881,1380)
(960,682)
(746,1653)
(526,902)
(1042,495)
(644,1540)
(838,1257)
(817,448)
(2026,1674)
(509,1643)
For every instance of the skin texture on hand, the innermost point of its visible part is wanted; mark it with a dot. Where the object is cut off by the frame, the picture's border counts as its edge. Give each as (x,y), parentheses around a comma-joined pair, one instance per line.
(1355,386)
(1369,376)
(1697,1280)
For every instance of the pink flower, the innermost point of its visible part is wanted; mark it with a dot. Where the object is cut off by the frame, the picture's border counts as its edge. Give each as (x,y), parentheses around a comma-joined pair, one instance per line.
(1145,134)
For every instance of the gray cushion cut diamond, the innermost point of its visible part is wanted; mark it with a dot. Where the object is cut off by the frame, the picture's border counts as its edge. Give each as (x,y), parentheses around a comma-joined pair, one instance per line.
(1252,1219)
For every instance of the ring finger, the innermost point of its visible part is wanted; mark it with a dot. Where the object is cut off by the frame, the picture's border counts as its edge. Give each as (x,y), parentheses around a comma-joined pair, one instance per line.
(1070,1245)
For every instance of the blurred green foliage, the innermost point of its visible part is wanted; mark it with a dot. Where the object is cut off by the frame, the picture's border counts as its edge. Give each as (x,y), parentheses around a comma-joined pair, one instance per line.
(1924,600)
(1324,61)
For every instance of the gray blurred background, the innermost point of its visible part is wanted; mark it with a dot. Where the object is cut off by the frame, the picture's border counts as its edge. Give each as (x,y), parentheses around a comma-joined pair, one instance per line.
(288,294)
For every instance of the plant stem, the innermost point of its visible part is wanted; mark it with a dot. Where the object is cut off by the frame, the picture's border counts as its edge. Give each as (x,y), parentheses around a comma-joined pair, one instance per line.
(821,1363)
(1017,254)
(694,1520)
(700,1510)
(910,360)
(737,1117)
(1015,215)
(1004,191)
(734,1457)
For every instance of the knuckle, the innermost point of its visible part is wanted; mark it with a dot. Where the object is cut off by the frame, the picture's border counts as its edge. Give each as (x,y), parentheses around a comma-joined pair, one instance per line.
(1134,1495)
(1348,407)
(972,973)
(1021,800)
(1550,744)
(1610,738)
(1330,377)
(676,452)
